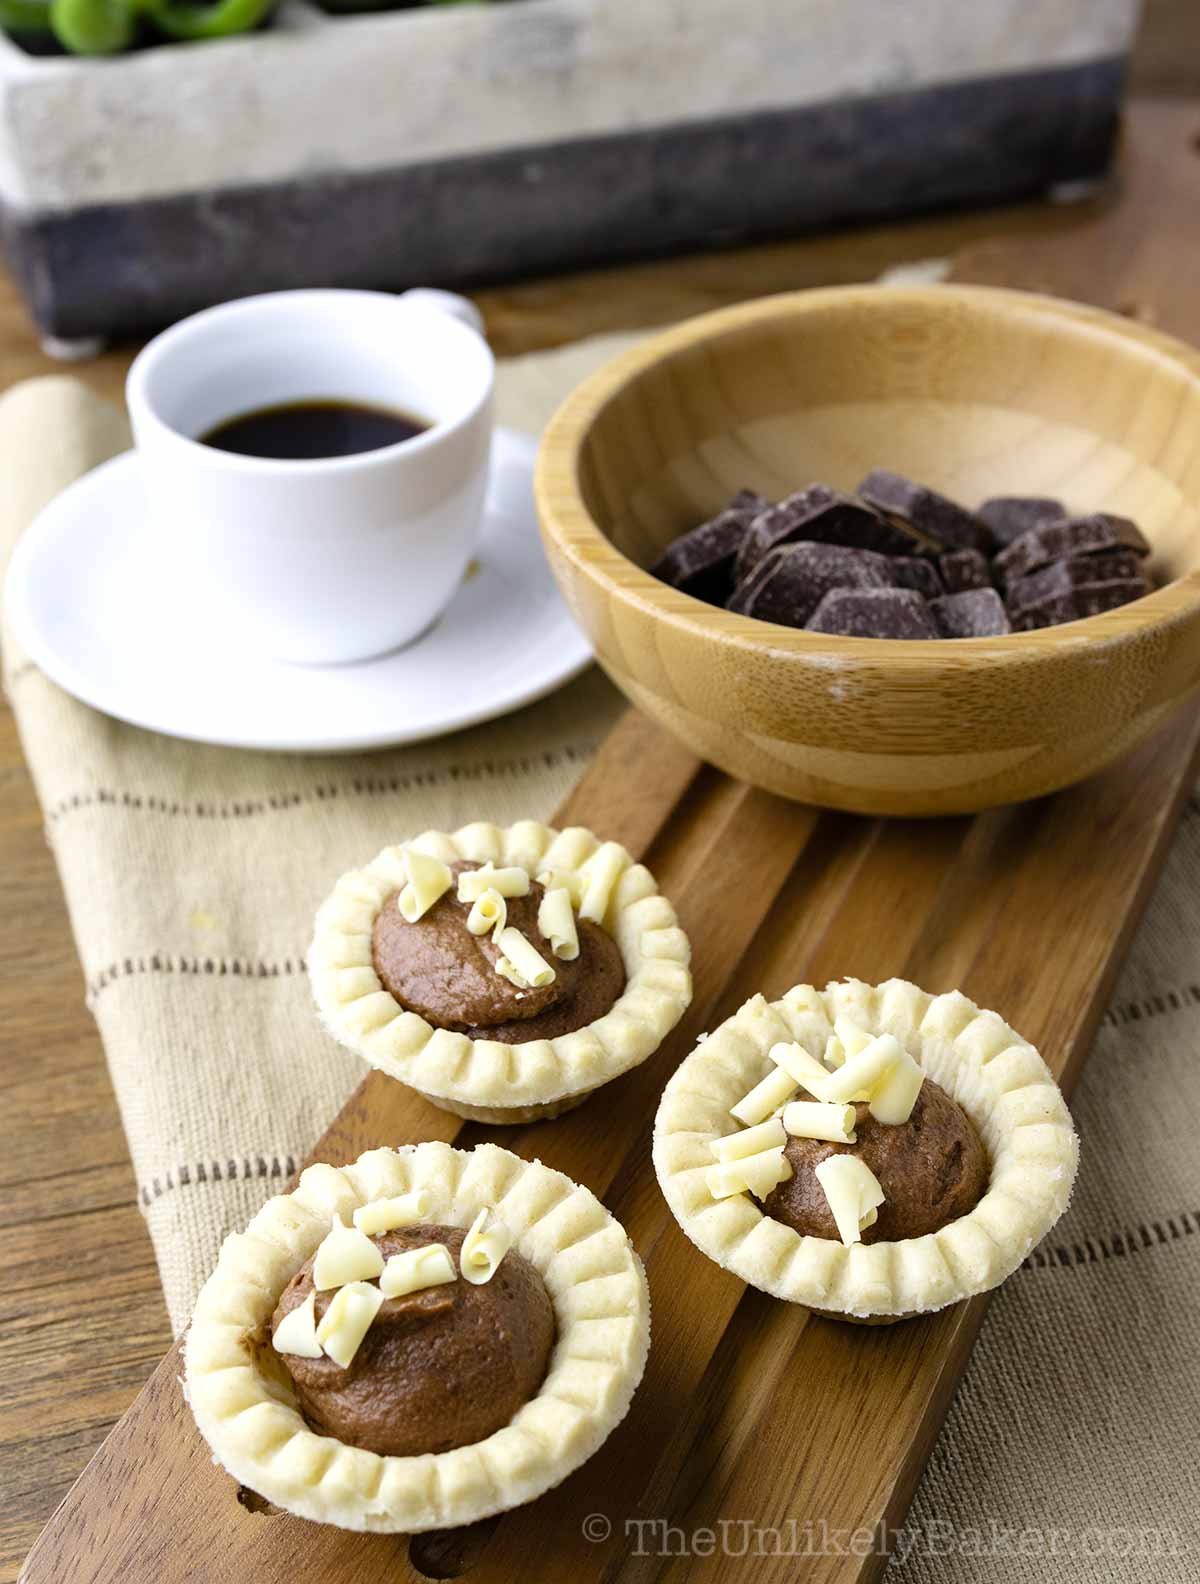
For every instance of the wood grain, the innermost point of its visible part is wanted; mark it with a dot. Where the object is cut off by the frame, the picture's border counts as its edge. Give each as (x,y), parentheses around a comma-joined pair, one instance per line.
(770,892)
(976,391)
(66,1371)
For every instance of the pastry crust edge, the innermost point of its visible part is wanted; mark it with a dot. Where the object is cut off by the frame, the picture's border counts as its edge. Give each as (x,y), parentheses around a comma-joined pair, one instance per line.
(998,1078)
(243,1403)
(486,1079)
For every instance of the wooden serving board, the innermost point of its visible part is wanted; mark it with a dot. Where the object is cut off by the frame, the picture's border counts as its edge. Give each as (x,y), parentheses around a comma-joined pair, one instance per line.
(750,1409)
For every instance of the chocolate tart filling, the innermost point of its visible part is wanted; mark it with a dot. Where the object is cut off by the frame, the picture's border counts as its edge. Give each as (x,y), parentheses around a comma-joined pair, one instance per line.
(438,1369)
(932,1169)
(448,976)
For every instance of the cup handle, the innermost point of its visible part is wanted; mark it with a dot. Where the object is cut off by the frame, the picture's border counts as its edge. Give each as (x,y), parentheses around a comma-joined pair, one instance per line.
(460,308)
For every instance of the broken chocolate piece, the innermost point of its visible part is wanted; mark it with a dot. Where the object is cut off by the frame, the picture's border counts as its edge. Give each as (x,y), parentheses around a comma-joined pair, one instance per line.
(1062,576)
(700,562)
(789,583)
(917,572)
(873,613)
(1087,599)
(824,516)
(972,613)
(1010,516)
(964,569)
(939,519)
(1058,541)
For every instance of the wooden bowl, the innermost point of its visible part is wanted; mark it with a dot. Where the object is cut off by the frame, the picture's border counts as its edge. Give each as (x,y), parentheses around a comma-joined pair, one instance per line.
(975,391)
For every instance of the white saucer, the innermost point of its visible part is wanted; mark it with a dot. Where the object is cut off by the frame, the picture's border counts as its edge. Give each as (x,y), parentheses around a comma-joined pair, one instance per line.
(92,596)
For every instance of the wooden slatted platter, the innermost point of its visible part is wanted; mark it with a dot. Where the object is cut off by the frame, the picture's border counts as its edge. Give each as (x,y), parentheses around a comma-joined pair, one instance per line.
(750,1408)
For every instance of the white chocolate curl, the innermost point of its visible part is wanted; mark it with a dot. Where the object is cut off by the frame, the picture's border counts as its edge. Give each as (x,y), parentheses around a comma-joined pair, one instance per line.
(804,1068)
(509,882)
(853,1037)
(860,1074)
(749,1141)
(523,958)
(756,1174)
(765,1097)
(600,875)
(482,1250)
(853,1193)
(345,1255)
(894,1096)
(428,879)
(384,1215)
(557,923)
(416,1269)
(814,1120)
(569,880)
(296,1333)
(489,911)
(347,1321)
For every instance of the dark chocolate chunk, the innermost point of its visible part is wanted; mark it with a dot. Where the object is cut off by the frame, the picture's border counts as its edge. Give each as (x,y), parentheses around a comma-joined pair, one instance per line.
(1062,576)
(1086,599)
(789,583)
(824,516)
(700,562)
(947,524)
(1010,516)
(1074,536)
(873,613)
(964,569)
(972,613)
(917,572)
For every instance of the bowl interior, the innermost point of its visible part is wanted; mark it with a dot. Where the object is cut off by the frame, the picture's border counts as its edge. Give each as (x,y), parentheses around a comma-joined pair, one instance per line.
(974,395)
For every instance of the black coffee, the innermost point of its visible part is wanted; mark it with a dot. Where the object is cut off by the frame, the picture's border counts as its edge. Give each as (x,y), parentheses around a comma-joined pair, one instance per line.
(306,431)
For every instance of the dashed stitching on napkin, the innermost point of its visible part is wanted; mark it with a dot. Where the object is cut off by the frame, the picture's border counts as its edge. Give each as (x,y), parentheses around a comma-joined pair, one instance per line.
(1092,1250)
(1156,1005)
(229,1170)
(216,967)
(360,786)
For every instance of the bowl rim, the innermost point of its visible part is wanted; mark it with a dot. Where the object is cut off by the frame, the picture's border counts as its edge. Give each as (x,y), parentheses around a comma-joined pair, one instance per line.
(567,522)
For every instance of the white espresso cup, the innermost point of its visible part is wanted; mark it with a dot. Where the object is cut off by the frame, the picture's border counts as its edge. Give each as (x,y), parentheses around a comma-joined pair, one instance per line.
(333,559)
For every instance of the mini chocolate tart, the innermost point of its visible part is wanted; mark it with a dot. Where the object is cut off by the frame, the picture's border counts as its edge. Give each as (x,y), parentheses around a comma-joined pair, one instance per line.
(931,1187)
(416,981)
(460,1397)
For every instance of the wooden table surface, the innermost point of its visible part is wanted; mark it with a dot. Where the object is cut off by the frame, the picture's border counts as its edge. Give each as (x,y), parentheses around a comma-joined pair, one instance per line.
(82,1322)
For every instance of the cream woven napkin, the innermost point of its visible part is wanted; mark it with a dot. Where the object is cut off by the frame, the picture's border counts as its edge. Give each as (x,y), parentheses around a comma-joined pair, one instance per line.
(192,875)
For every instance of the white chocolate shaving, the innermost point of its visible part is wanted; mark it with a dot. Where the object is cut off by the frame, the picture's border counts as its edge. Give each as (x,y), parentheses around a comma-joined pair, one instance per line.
(296,1333)
(600,875)
(835,1052)
(568,880)
(860,1074)
(345,1255)
(853,1193)
(523,958)
(804,1068)
(347,1321)
(509,882)
(489,911)
(756,1174)
(415,1269)
(749,1141)
(895,1094)
(428,879)
(776,1088)
(482,1251)
(815,1120)
(557,923)
(384,1215)
(854,1038)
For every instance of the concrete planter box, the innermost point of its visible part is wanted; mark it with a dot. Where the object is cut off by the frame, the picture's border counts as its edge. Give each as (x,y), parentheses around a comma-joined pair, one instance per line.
(470,143)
